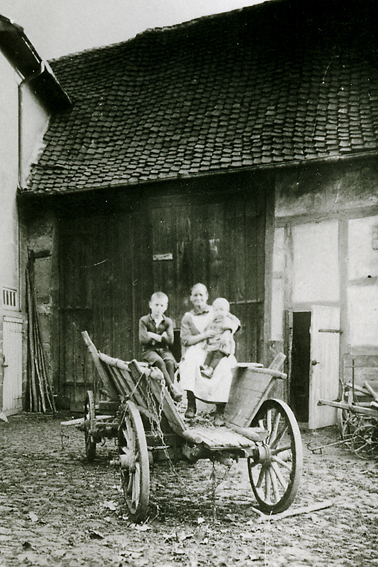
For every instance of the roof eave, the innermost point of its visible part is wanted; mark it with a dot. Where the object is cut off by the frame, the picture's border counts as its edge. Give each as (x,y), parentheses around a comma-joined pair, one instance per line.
(24,194)
(23,57)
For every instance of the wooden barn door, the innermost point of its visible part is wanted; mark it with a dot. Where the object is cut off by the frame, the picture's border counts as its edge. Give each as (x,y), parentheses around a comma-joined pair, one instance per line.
(218,243)
(75,310)
(111,264)
(105,282)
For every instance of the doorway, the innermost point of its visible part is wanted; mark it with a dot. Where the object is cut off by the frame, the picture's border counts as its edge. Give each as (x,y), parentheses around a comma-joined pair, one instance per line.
(300,369)
(12,365)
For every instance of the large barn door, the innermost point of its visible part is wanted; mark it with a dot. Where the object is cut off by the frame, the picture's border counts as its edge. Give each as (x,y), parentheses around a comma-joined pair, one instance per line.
(105,283)
(111,263)
(220,244)
(324,369)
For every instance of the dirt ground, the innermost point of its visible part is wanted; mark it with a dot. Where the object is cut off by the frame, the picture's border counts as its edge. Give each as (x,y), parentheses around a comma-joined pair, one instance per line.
(57,509)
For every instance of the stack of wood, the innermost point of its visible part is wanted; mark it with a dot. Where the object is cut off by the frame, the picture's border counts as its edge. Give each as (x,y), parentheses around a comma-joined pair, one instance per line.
(40,393)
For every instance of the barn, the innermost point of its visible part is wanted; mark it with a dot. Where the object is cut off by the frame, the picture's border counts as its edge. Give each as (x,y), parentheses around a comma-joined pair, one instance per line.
(238,150)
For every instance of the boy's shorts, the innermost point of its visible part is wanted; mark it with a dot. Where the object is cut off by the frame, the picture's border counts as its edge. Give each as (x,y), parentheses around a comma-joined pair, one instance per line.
(153,356)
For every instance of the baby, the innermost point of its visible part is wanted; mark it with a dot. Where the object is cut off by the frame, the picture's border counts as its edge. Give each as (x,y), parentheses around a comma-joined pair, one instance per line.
(222,343)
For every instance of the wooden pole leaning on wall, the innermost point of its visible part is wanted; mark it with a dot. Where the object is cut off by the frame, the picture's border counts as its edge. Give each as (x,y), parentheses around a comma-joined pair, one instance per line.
(40,389)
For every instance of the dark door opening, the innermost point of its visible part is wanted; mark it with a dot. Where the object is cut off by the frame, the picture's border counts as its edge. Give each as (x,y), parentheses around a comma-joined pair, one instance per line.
(300,365)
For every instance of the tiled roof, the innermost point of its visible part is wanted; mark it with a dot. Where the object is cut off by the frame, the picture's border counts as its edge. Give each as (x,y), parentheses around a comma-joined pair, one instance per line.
(267,85)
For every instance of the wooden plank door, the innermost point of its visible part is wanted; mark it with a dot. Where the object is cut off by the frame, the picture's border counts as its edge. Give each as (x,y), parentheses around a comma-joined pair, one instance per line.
(12,364)
(324,364)
(75,310)
(219,243)
(105,285)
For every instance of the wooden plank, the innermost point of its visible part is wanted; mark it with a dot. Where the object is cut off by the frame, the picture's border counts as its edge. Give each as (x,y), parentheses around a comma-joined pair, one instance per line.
(113,379)
(296,512)
(139,376)
(124,280)
(105,405)
(355,408)
(221,438)
(142,268)
(132,388)
(78,421)
(251,433)
(250,387)
(371,391)
(110,361)
(169,408)
(112,392)
(361,361)
(278,362)
(119,373)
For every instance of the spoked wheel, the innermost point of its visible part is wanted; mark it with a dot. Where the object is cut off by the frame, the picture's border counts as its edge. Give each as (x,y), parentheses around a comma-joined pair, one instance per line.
(89,426)
(133,455)
(275,469)
(364,442)
(348,423)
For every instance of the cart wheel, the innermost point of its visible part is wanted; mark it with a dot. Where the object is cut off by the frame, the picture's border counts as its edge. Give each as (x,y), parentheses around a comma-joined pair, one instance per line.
(364,442)
(348,423)
(275,469)
(133,455)
(89,425)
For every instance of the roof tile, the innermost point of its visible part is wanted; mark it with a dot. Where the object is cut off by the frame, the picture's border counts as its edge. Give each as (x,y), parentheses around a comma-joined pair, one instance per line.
(261,92)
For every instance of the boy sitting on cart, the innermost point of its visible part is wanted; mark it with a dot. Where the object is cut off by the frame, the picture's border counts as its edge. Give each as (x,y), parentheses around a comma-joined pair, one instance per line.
(156,339)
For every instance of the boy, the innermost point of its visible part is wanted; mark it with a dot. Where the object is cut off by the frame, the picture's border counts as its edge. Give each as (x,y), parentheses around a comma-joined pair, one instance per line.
(156,338)
(222,343)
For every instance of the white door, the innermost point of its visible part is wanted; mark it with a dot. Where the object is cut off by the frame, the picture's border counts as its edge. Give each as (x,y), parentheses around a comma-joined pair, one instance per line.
(12,365)
(324,364)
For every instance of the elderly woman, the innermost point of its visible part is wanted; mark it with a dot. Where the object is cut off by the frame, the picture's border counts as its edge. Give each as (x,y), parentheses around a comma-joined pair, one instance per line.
(194,335)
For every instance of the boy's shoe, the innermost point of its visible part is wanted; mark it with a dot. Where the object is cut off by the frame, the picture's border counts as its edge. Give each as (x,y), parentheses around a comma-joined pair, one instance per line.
(175,394)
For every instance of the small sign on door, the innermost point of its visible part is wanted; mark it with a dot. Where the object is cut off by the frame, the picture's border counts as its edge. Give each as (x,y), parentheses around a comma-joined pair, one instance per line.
(159,257)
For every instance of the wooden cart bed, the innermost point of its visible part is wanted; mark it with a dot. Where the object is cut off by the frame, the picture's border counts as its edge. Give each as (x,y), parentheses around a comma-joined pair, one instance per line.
(141,414)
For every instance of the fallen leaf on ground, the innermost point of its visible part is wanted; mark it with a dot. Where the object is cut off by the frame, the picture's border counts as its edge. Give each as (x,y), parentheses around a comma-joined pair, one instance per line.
(110,505)
(142,528)
(93,534)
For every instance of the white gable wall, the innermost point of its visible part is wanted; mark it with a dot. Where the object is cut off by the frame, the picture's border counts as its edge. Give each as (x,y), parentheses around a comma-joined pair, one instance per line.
(22,123)
(10,383)
(8,176)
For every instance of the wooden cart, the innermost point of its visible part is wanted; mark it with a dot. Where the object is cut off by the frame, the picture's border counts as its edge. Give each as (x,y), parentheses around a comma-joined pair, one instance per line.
(358,427)
(141,414)
(358,405)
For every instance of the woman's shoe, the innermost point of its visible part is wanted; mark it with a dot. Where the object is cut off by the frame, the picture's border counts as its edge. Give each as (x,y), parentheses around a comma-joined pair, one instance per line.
(219,421)
(190,413)
(218,416)
(191,407)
